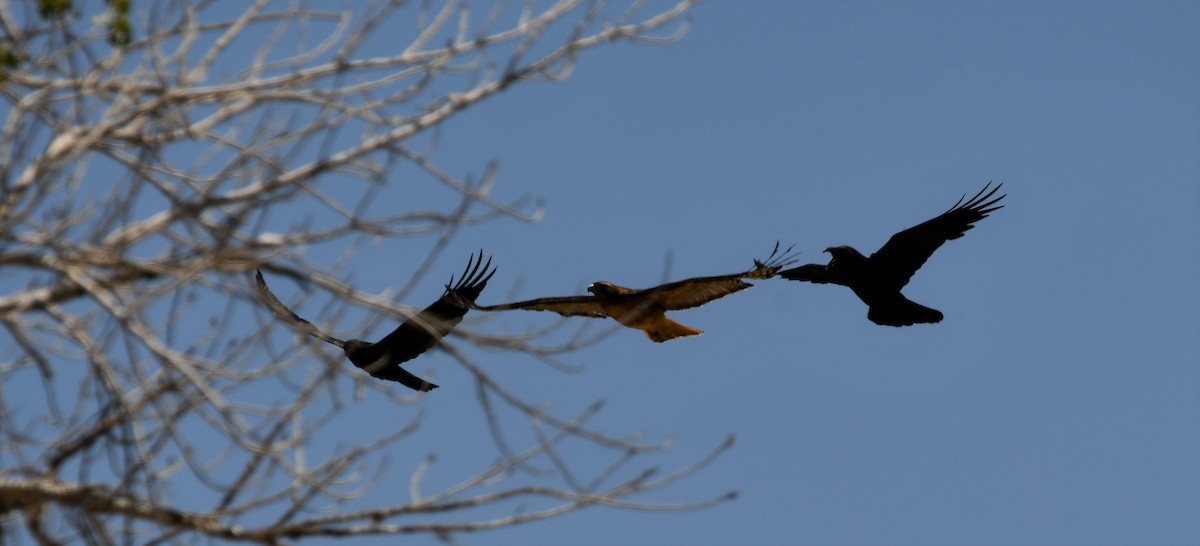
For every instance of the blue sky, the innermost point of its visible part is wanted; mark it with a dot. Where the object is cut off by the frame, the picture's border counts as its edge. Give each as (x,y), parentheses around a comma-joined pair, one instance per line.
(1060,399)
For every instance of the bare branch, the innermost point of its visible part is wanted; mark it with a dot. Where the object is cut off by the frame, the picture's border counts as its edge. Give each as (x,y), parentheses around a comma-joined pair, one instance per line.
(145,390)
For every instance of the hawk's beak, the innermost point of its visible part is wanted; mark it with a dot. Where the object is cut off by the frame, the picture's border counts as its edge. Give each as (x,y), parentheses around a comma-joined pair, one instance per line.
(829,250)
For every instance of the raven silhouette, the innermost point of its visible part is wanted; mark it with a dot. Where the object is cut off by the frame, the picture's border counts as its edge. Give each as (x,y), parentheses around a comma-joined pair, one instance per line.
(415,336)
(645,309)
(877,280)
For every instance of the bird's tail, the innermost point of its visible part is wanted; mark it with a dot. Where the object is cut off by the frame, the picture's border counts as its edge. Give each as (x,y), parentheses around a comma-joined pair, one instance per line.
(903,312)
(666,329)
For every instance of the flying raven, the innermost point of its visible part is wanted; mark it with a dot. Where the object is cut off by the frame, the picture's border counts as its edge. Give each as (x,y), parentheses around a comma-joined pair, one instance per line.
(877,280)
(415,336)
(645,310)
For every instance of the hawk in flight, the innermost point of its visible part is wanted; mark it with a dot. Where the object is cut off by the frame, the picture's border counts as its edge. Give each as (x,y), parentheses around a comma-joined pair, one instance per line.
(877,280)
(646,309)
(415,336)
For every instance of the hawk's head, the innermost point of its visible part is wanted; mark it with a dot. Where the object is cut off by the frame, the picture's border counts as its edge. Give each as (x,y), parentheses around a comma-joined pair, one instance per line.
(604,288)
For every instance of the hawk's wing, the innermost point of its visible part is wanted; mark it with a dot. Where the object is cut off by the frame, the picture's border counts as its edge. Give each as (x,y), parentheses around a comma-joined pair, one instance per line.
(567,306)
(695,292)
(283,313)
(425,329)
(907,251)
(698,291)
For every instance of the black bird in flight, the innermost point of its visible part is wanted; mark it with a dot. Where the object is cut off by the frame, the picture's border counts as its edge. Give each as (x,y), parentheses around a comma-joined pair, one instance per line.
(877,280)
(415,336)
(646,309)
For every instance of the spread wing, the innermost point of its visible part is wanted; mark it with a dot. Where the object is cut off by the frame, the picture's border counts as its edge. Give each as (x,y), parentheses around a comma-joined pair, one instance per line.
(815,273)
(567,306)
(698,291)
(908,250)
(283,313)
(425,329)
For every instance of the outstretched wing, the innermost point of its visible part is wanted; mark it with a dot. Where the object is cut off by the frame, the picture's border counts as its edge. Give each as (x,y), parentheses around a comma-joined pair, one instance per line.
(816,273)
(698,291)
(567,306)
(908,250)
(283,313)
(425,329)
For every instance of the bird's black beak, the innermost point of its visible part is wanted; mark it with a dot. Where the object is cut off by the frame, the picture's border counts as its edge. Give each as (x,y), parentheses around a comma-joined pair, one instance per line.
(829,250)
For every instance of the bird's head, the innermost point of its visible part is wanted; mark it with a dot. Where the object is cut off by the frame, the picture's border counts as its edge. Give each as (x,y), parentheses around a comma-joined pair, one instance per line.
(354,346)
(601,287)
(844,252)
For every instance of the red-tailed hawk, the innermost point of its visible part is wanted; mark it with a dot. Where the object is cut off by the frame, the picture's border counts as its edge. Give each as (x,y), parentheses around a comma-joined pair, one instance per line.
(877,280)
(415,336)
(645,309)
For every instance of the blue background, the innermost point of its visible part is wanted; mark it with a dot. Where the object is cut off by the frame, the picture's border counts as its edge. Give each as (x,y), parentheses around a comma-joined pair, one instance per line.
(1059,401)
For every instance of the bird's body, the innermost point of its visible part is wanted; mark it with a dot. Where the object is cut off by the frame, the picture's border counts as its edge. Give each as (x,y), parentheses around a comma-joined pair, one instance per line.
(878,279)
(414,336)
(640,311)
(646,309)
(875,286)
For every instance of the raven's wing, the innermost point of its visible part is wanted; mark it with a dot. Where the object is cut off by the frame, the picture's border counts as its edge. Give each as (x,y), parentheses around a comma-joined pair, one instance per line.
(908,250)
(283,313)
(567,306)
(425,329)
(810,272)
(698,291)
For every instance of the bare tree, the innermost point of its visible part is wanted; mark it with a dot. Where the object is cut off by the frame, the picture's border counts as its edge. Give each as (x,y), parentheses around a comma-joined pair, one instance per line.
(151,158)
